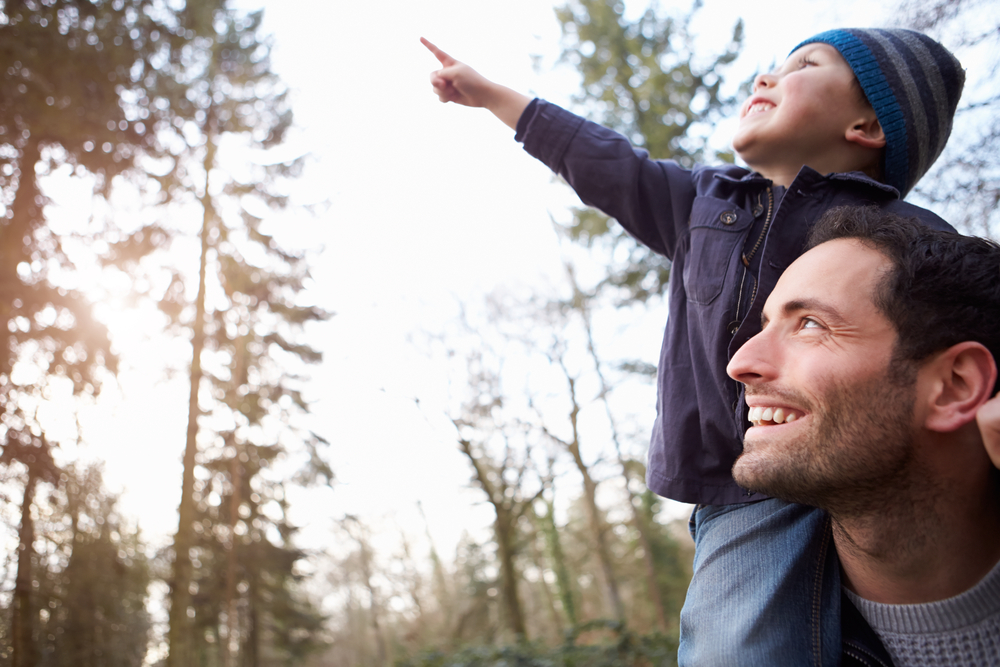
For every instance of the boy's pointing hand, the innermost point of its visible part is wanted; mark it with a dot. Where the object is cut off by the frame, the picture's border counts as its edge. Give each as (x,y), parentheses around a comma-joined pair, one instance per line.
(459,83)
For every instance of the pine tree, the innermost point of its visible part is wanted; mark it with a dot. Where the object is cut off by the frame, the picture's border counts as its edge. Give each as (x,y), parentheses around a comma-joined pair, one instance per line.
(71,76)
(243,319)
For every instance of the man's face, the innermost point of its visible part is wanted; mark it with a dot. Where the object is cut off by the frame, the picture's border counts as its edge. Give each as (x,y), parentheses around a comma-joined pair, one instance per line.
(829,427)
(801,112)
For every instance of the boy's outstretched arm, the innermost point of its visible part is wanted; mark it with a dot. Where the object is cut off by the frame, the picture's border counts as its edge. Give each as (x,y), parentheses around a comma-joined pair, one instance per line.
(988,419)
(459,83)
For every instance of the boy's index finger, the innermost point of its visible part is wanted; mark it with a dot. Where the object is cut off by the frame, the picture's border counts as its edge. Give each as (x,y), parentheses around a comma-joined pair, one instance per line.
(442,57)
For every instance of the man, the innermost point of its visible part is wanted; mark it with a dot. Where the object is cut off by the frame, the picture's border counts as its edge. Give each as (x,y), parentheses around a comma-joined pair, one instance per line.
(877,350)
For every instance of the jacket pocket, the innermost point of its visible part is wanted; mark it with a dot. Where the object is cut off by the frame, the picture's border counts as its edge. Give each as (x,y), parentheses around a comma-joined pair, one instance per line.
(717,230)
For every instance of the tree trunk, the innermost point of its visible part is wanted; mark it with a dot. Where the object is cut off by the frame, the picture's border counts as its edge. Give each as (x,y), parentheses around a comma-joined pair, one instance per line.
(554,544)
(24,649)
(504,529)
(179,636)
(598,528)
(25,215)
(231,646)
(550,603)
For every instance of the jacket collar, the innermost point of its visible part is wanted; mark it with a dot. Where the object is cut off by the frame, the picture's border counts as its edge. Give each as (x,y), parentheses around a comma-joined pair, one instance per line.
(809,177)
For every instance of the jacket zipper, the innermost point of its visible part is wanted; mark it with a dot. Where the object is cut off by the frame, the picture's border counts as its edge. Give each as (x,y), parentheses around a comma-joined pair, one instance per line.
(763,234)
(746,257)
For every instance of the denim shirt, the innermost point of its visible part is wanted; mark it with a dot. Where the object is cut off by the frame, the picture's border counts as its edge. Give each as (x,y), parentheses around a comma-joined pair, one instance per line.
(700,219)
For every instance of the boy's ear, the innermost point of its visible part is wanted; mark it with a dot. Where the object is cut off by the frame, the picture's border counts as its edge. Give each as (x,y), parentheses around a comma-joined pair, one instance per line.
(866,132)
(957,383)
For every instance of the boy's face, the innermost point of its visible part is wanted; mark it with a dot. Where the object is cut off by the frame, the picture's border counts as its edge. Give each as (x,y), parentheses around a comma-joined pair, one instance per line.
(801,113)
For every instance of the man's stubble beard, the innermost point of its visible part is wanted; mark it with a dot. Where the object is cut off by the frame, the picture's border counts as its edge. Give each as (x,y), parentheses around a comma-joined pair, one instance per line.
(857,454)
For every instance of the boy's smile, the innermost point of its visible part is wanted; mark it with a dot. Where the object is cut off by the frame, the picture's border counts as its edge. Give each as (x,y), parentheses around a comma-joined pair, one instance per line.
(804,114)
(756,105)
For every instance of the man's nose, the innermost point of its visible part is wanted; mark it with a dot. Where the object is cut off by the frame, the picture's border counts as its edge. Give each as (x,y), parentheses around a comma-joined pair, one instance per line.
(752,362)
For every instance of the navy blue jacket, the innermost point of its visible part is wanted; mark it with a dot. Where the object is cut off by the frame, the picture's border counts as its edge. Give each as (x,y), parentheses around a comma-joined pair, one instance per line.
(703,220)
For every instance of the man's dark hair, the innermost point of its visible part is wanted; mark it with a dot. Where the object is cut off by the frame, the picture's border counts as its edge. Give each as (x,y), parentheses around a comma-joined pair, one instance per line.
(943,288)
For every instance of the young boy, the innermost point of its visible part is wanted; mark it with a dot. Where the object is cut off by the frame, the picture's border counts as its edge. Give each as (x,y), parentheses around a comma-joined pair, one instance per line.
(851,117)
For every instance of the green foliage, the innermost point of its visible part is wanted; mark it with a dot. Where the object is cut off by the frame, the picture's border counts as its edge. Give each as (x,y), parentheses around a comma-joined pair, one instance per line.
(72,79)
(99,617)
(672,563)
(553,544)
(88,580)
(627,649)
(641,78)
(245,559)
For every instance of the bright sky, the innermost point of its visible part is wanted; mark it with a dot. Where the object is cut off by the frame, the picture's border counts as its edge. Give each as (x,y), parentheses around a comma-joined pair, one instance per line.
(428,205)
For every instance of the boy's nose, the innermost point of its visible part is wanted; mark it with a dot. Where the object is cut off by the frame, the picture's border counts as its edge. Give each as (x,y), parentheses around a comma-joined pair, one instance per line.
(766,80)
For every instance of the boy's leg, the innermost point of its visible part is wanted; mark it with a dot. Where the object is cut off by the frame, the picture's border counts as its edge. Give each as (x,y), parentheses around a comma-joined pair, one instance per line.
(765,590)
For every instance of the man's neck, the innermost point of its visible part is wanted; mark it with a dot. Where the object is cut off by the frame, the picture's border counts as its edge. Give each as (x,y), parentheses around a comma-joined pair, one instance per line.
(916,550)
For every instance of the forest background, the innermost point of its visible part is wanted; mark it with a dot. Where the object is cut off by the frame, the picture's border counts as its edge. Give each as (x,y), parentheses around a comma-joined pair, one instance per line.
(368,366)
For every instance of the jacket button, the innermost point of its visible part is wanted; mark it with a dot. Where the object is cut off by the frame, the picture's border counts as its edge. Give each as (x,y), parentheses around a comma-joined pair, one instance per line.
(727,218)
(733,328)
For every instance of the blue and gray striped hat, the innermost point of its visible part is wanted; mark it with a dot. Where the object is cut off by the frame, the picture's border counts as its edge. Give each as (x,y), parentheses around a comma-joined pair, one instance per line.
(913,83)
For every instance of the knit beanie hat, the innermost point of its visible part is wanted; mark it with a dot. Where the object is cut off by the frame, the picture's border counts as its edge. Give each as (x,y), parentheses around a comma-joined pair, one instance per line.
(913,83)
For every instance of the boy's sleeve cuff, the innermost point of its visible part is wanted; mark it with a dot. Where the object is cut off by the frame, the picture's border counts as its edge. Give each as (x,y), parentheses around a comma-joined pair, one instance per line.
(546,131)
(525,120)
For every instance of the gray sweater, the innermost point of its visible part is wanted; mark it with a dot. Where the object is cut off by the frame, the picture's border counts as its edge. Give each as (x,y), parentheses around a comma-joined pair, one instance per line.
(962,631)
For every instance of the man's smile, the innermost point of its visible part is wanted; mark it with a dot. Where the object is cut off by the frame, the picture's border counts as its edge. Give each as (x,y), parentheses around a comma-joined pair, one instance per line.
(767,416)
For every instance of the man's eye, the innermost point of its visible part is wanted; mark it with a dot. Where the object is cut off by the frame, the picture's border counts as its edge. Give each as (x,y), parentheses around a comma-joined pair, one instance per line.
(810,323)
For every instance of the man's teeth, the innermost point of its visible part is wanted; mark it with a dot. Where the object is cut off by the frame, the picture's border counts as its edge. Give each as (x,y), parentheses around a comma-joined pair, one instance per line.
(759,415)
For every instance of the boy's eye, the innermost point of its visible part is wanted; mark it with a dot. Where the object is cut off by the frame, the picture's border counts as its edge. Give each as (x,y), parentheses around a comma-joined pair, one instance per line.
(806,62)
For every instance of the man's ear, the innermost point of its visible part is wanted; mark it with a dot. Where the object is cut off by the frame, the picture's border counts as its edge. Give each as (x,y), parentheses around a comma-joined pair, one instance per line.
(866,132)
(958,381)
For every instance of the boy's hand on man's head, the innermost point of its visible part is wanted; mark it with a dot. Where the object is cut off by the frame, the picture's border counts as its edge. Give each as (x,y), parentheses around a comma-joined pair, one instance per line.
(988,419)
(457,82)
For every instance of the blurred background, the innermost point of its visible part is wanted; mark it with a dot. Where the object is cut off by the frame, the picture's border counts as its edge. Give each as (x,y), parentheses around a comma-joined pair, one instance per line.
(302,367)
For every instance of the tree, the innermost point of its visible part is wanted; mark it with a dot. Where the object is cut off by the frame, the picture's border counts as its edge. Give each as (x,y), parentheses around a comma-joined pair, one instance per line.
(641,78)
(595,516)
(71,72)
(502,477)
(244,314)
(964,184)
(87,580)
(580,305)
(100,616)
(553,542)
